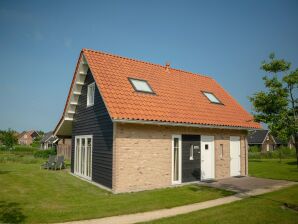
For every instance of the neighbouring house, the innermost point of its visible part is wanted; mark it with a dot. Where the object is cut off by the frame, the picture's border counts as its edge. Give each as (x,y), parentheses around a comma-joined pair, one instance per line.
(27,137)
(136,125)
(262,139)
(265,141)
(49,140)
(291,142)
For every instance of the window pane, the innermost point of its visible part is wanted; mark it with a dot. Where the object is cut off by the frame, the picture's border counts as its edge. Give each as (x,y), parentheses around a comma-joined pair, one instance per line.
(141,85)
(211,97)
(83,156)
(90,94)
(89,156)
(176,159)
(191,152)
(77,155)
(221,150)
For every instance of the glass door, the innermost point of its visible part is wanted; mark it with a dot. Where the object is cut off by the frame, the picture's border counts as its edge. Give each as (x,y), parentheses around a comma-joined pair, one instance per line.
(83,156)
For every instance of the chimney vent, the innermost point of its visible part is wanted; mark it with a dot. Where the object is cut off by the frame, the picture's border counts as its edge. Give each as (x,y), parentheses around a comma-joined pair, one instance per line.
(167,66)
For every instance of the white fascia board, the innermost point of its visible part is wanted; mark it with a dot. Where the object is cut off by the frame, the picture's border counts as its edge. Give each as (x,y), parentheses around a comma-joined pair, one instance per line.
(181,124)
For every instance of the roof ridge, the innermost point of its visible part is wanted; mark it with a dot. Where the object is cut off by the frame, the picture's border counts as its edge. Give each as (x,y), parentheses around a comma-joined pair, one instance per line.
(145,62)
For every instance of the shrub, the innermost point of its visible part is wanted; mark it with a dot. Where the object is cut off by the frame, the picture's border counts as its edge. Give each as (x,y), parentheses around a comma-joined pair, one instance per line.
(21,148)
(44,153)
(36,144)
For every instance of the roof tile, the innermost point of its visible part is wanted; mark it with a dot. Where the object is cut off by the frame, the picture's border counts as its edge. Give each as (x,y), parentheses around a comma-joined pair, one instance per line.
(178,98)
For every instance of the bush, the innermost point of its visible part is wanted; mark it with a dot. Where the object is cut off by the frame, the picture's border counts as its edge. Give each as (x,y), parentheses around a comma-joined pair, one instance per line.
(254,149)
(44,153)
(21,148)
(36,144)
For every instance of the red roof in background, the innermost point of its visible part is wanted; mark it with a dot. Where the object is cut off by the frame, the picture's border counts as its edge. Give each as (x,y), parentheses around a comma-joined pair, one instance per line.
(178,96)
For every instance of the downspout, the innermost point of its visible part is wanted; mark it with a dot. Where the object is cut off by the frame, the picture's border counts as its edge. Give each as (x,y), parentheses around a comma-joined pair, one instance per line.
(246,156)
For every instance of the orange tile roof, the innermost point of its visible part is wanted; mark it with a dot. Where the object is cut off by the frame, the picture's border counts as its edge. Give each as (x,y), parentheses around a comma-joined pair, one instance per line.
(178,98)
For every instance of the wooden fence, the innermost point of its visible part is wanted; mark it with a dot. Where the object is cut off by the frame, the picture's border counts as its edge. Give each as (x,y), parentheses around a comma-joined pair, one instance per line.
(64,150)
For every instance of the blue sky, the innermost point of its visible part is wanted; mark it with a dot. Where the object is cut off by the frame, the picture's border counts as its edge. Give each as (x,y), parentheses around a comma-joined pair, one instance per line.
(40,42)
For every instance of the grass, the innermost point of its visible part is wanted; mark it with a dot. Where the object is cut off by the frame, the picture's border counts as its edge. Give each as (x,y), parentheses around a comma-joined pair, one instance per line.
(267,208)
(273,169)
(31,195)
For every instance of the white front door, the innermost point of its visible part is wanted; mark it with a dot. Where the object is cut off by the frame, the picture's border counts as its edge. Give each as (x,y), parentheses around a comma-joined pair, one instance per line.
(235,156)
(83,156)
(207,157)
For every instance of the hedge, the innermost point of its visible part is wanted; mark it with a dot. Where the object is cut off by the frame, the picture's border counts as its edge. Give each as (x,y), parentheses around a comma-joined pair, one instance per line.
(284,152)
(44,153)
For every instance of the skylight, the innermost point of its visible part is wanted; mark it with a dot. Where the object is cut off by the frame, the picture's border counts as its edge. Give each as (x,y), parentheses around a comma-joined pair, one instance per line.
(140,85)
(212,97)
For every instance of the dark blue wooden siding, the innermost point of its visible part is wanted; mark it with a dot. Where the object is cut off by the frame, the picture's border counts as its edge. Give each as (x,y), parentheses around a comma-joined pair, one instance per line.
(95,121)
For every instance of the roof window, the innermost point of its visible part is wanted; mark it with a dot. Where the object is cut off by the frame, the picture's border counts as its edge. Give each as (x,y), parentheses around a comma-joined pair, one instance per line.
(212,98)
(141,85)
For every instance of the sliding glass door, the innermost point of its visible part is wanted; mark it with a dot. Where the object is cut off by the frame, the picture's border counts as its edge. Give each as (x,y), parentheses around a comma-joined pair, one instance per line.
(83,156)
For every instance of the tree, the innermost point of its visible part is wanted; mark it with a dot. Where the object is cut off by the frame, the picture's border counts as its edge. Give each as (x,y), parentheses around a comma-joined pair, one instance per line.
(277,106)
(8,138)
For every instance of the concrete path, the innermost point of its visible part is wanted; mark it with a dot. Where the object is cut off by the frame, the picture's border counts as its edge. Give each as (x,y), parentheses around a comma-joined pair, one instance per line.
(163,213)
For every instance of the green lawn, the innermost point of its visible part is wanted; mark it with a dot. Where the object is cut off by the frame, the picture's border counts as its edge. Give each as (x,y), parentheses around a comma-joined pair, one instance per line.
(267,208)
(31,195)
(271,168)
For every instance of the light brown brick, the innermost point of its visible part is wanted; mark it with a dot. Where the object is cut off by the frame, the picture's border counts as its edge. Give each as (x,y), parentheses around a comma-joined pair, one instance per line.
(142,154)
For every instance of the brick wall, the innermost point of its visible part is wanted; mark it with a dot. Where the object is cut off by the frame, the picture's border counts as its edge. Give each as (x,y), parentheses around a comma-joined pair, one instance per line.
(142,155)
(25,140)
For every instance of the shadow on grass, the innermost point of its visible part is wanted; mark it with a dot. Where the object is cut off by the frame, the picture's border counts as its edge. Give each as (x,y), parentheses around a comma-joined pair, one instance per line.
(294,163)
(4,172)
(11,212)
(197,188)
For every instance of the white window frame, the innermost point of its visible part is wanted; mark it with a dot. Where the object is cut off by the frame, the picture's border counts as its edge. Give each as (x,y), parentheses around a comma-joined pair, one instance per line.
(77,170)
(180,159)
(90,98)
